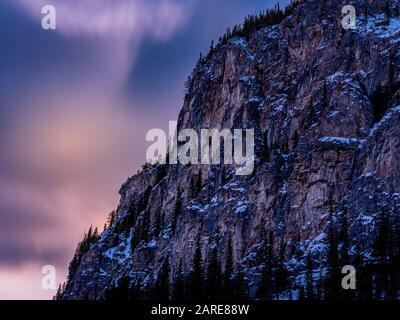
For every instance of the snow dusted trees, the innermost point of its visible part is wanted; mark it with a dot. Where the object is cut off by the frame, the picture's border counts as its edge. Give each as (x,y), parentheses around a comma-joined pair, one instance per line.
(83,247)
(265,289)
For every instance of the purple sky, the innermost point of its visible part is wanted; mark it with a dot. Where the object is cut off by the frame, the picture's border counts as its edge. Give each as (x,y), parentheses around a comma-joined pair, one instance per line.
(75,104)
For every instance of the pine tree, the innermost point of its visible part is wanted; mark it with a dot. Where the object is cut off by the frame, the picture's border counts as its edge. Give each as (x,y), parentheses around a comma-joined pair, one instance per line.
(239,286)
(120,291)
(162,284)
(358,265)
(135,238)
(196,277)
(223,175)
(344,238)
(145,230)
(281,274)
(161,172)
(391,67)
(135,292)
(391,269)
(325,101)
(111,218)
(363,274)
(88,236)
(265,289)
(344,257)
(58,295)
(309,278)
(333,276)
(82,248)
(210,51)
(177,209)
(157,227)
(214,275)
(144,200)
(381,252)
(255,22)
(301,293)
(196,184)
(199,183)
(290,297)
(227,282)
(95,235)
(178,294)
(388,13)
(320,295)
(395,254)
(192,190)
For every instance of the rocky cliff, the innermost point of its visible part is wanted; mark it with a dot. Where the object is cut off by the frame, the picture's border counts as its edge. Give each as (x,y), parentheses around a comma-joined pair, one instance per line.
(324,104)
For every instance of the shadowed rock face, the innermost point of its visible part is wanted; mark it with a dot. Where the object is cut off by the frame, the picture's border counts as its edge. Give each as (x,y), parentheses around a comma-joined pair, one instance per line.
(323,104)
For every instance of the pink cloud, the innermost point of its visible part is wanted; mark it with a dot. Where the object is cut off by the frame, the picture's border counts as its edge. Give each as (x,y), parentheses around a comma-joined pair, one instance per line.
(158,19)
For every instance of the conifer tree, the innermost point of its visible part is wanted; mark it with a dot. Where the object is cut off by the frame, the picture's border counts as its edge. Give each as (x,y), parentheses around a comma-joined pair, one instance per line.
(363,276)
(344,257)
(161,172)
(199,183)
(58,295)
(135,292)
(177,209)
(178,293)
(145,226)
(239,286)
(214,274)
(344,238)
(381,251)
(227,281)
(388,13)
(320,294)
(196,184)
(163,284)
(281,274)
(82,248)
(119,291)
(325,102)
(157,227)
(223,175)
(333,276)
(290,296)
(265,289)
(111,218)
(395,255)
(135,238)
(309,278)
(196,276)
(301,293)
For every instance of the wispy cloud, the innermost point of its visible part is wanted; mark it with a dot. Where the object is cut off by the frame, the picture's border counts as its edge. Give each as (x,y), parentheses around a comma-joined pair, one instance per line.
(156,18)
(118,27)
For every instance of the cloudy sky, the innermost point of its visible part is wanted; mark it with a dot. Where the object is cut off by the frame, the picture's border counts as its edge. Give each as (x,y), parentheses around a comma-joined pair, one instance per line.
(75,105)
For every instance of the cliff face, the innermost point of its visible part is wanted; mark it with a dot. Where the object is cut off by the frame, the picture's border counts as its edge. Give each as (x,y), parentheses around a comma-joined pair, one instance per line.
(325,106)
